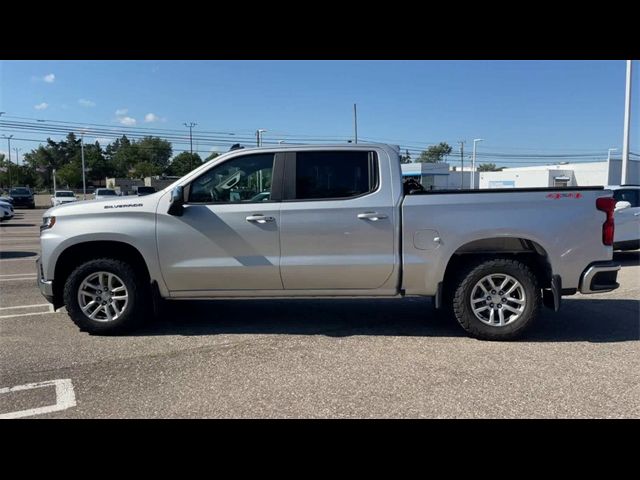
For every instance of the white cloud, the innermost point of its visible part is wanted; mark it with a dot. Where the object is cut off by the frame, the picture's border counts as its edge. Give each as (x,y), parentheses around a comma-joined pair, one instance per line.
(122,111)
(86,103)
(41,106)
(151,117)
(127,121)
(49,78)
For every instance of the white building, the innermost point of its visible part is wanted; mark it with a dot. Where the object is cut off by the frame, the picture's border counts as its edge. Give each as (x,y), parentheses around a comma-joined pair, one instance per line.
(568,174)
(437,176)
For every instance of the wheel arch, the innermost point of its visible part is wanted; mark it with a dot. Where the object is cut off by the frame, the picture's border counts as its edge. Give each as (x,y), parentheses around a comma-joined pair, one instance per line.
(76,254)
(523,249)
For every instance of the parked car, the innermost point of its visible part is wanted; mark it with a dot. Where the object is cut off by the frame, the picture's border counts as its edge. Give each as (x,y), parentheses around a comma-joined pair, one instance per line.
(22,197)
(6,212)
(140,191)
(627,217)
(6,203)
(6,199)
(63,196)
(337,224)
(105,193)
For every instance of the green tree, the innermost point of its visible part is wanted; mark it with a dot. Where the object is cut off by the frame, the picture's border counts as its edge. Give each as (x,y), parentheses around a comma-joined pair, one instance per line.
(211,156)
(155,151)
(435,153)
(96,163)
(70,175)
(54,155)
(406,158)
(144,169)
(121,155)
(488,167)
(184,163)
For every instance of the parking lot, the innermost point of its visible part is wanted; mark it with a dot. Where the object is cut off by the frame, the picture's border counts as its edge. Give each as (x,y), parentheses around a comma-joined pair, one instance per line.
(312,358)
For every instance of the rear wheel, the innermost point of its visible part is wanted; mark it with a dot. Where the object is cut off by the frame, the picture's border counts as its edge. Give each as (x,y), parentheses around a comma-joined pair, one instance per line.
(104,296)
(496,299)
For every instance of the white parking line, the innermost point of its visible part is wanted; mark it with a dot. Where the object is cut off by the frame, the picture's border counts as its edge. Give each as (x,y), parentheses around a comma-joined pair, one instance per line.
(30,259)
(25,314)
(15,275)
(26,306)
(65,398)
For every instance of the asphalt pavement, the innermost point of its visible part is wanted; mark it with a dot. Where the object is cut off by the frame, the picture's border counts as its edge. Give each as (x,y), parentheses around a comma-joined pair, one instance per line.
(312,358)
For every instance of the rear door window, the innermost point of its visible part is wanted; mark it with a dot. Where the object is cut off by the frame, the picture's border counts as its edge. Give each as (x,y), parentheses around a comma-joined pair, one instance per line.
(334,175)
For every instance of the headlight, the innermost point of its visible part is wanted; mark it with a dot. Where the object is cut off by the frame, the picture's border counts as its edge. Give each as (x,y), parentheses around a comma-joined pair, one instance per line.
(47,222)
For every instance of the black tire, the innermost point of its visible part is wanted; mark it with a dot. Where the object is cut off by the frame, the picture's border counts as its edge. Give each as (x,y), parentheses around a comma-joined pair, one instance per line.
(132,316)
(469,277)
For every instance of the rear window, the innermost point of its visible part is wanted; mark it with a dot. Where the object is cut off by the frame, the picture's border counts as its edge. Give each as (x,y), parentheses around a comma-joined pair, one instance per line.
(106,192)
(627,195)
(20,191)
(64,194)
(146,190)
(337,174)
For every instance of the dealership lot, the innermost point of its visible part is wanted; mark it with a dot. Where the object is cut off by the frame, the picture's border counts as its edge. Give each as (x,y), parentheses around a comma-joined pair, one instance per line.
(316,358)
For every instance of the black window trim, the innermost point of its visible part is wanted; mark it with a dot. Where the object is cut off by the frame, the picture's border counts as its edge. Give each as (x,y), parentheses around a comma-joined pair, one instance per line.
(289,180)
(276,181)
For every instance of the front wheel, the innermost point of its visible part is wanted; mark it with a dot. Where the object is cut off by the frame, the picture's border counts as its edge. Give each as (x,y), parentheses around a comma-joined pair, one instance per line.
(104,296)
(496,299)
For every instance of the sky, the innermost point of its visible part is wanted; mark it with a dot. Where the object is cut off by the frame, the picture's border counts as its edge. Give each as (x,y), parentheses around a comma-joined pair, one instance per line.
(517,107)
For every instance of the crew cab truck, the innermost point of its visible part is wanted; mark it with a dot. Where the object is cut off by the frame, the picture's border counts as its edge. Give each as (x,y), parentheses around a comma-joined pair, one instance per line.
(326,221)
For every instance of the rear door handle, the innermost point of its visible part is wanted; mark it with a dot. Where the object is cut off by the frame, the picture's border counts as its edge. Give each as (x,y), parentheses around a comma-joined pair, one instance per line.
(373,216)
(259,218)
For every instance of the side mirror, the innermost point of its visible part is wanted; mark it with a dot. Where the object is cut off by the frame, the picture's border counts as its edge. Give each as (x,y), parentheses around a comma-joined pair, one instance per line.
(621,205)
(176,204)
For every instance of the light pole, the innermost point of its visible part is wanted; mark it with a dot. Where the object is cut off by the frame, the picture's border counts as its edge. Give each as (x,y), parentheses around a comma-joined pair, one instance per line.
(609,164)
(473,163)
(259,133)
(355,122)
(190,126)
(627,124)
(84,183)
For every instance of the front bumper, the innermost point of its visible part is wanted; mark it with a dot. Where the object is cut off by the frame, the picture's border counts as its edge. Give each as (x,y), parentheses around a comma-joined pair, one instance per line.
(45,286)
(599,277)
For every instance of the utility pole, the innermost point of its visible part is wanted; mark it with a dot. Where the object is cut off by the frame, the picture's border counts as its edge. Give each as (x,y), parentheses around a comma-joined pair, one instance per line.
(355,121)
(190,126)
(473,163)
(84,183)
(54,181)
(9,166)
(16,149)
(461,164)
(627,124)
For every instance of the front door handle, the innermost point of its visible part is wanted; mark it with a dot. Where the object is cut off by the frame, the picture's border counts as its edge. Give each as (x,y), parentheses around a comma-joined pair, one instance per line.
(259,218)
(373,216)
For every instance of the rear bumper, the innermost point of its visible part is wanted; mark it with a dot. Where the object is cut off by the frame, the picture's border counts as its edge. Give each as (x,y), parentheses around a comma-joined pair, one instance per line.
(45,286)
(599,277)
(23,202)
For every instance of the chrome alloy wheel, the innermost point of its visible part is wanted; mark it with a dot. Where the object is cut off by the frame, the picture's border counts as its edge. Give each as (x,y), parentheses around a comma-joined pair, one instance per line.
(103,297)
(498,300)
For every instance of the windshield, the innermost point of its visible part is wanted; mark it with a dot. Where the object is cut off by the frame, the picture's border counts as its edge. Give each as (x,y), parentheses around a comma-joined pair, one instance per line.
(19,191)
(105,192)
(64,194)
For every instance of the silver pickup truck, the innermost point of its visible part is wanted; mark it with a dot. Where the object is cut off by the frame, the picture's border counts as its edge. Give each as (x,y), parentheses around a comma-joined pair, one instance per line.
(326,221)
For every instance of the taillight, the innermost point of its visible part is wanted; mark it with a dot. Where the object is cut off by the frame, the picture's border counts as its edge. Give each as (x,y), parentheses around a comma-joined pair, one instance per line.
(607,205)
